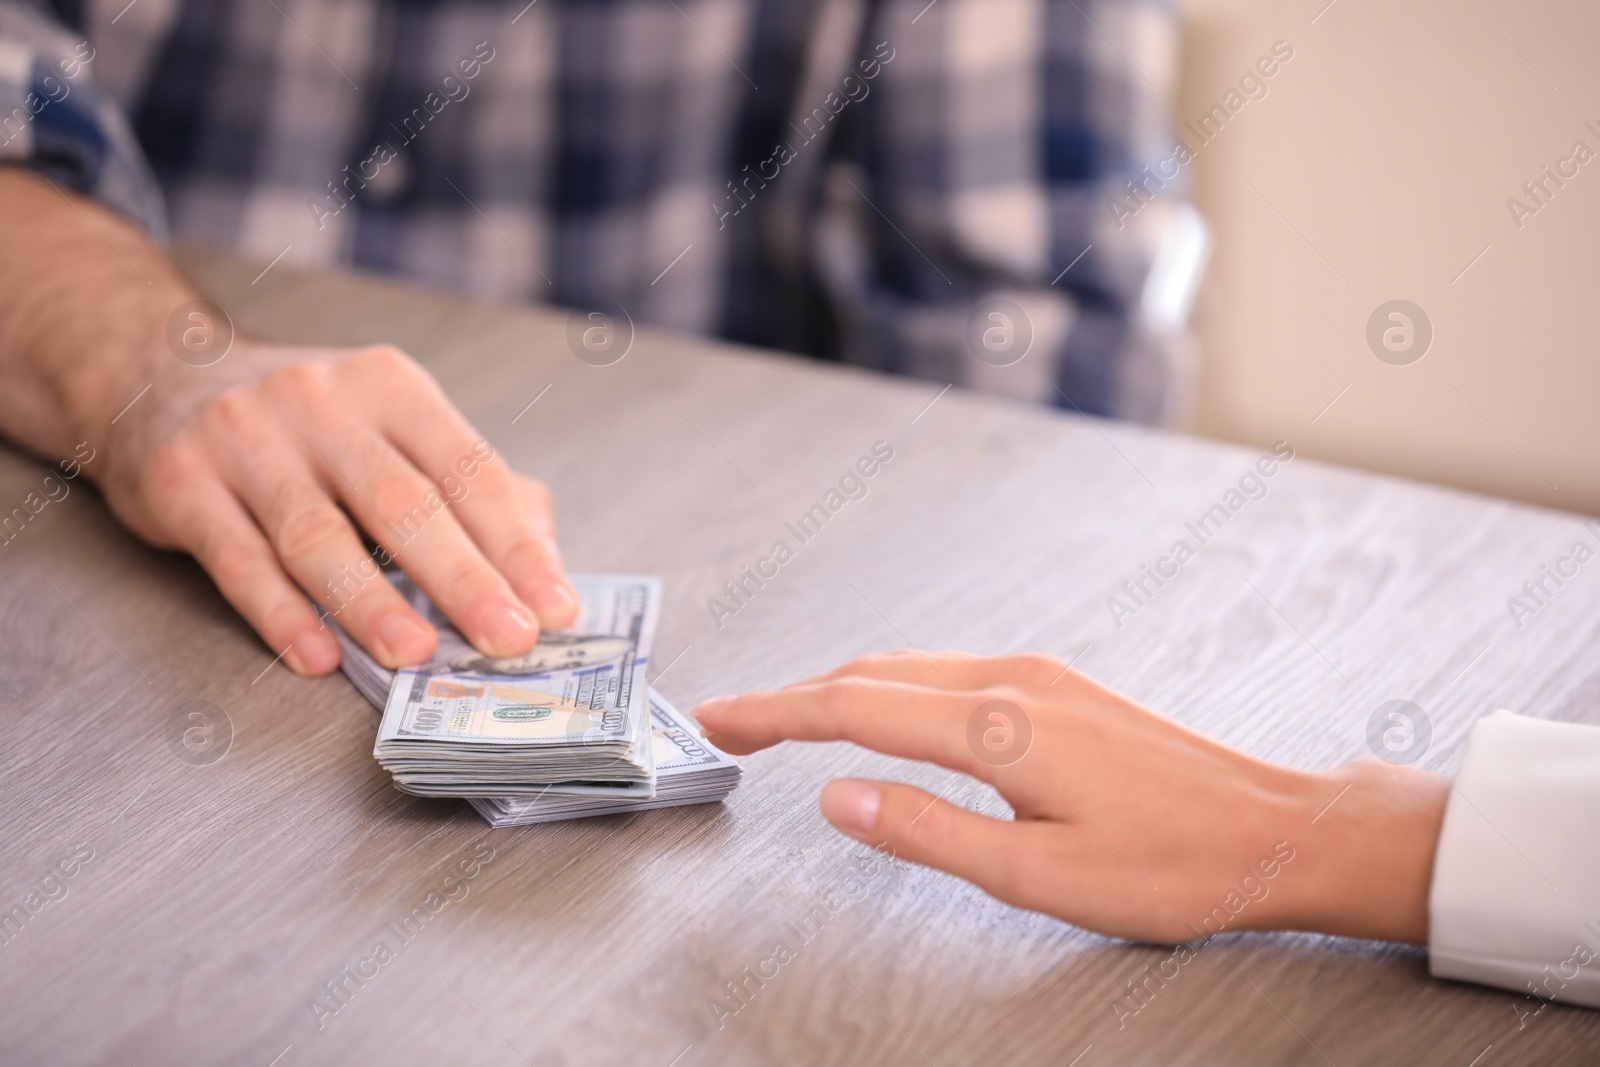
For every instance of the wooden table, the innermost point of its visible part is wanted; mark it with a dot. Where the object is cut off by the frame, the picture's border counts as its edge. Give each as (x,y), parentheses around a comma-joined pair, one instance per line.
(220,900)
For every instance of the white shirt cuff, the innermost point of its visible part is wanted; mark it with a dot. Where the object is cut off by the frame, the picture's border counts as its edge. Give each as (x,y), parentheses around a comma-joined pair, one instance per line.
(1516,881)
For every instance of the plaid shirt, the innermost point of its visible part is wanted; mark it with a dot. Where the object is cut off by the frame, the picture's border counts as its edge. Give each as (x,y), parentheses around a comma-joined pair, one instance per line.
(847,178)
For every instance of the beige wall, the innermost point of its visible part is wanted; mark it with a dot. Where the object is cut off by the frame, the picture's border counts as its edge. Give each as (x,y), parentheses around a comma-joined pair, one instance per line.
(1391,143)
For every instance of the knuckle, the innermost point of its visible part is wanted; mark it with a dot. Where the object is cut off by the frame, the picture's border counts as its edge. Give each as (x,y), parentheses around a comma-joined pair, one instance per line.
(395,492)
(869,663)
(391,364)
(1017,695)
(1036,666)
(529,554)
(535,493)
(469,476)
(308,530)
(383,355)
(171,470)
(232,565)
(535,503)
(233,412)
(302,379)
(286,615)
(469,579)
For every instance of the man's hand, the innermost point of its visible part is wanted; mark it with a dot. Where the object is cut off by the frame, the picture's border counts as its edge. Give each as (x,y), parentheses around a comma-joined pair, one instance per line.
(1126,822)
(270,482)
(269,462)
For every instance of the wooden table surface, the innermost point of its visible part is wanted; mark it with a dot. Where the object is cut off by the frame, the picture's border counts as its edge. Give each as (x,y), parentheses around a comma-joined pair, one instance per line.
(211,905)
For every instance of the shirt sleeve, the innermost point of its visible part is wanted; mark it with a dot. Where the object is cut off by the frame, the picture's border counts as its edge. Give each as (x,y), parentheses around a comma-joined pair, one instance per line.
(56,122)
(1516,880)
(980,231)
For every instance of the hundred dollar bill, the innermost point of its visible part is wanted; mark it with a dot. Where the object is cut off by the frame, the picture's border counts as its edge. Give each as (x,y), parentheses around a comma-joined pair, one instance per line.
(569,718)
(689,770)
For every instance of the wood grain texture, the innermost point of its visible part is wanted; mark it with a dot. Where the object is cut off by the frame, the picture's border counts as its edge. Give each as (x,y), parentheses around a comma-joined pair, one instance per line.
(220,899)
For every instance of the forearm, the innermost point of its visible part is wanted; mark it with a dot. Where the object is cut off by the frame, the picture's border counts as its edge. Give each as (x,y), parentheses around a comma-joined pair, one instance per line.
(84,300)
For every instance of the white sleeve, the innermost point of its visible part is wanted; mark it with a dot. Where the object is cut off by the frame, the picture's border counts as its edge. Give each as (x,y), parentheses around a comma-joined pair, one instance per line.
(1516,880)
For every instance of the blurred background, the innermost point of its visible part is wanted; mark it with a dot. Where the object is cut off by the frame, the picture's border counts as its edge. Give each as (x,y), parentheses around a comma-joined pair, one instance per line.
(1379,167)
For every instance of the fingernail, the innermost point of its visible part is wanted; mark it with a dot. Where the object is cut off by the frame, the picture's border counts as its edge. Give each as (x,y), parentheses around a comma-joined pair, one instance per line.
(713,708)
(511,629)
(402,639)
(312,654)
(852,805)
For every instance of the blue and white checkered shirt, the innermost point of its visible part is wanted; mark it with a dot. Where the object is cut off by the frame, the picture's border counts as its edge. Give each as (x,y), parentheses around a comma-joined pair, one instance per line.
(897,183)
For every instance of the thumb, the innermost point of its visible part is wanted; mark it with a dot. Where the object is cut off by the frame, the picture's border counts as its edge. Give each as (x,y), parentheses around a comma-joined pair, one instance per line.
(915,825)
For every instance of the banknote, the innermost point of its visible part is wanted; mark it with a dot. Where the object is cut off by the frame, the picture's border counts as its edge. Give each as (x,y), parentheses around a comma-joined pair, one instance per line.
(568,730)
(689,770)
(571,716)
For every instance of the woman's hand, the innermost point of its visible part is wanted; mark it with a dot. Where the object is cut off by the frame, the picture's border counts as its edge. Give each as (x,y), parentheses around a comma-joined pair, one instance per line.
(270,470)
(1126,822)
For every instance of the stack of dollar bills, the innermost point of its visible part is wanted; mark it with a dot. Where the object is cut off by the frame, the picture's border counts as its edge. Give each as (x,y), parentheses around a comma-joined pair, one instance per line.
(567,730)
(688,771)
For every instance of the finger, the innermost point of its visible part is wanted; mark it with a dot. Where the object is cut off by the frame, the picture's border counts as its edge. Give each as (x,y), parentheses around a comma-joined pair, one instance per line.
(909,665)
(957,670)
(510,517)
(317,545)
(911,824)
(889,717)
(404,511)
(218,532)
(522,543)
